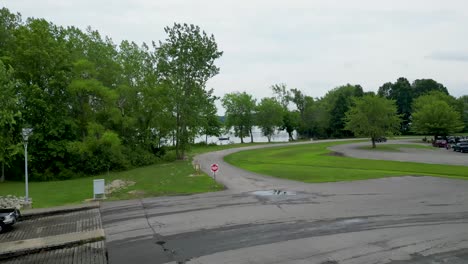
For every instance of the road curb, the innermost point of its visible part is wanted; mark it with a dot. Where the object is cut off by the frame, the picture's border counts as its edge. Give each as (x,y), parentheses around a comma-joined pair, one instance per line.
(29,246)
(33,213)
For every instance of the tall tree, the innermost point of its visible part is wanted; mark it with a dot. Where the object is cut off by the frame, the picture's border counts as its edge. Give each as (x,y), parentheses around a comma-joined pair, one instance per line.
(185,62)
(282,94)
(316,120)
(239,114)
(269,116)
(211,124)
(338,102)
(402,93)
(373,117)
(9,22)
(433,115)
(9,113)
(43,64)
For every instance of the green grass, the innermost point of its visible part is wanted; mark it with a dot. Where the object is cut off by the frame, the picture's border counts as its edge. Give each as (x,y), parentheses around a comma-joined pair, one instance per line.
(395,147)
(174,178)
(315,163)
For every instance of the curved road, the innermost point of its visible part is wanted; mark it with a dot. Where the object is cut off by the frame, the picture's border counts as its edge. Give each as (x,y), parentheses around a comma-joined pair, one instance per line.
(431,156)
(400,220)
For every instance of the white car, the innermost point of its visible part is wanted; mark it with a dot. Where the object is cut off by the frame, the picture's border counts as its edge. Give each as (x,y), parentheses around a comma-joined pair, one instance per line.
(8,217)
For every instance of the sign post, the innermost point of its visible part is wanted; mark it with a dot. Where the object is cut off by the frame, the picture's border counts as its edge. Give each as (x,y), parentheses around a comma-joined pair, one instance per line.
(214,169)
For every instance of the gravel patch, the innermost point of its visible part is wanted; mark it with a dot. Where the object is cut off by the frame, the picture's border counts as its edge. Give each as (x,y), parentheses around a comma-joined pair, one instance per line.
(117,185)
(11,201)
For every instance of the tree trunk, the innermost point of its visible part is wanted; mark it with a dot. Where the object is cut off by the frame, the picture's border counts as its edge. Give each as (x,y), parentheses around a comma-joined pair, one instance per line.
(2,178)
(241,134)
(290,136)
(373,142)
(269,139)
(251,136)
(206,139)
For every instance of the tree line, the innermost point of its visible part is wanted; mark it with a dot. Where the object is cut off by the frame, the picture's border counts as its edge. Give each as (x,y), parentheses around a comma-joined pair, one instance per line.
(423,107)
(96,106)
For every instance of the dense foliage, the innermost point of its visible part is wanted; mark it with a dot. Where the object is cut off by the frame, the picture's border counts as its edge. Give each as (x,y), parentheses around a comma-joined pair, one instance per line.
(95,106)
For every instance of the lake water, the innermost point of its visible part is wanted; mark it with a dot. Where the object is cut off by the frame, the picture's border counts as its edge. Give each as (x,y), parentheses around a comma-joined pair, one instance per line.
(281,136)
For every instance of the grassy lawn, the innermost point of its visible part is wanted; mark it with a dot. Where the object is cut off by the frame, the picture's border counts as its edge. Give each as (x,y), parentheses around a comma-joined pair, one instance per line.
(315,163)
(395,147)
(156,180)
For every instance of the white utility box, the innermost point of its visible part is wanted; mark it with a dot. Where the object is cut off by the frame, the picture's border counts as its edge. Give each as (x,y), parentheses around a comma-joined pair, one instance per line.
(99,189)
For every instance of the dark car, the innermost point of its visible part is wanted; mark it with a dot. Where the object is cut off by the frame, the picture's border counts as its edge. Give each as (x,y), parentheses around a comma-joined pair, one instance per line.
(440,143)
(8,217)
(457,146)
(463,147)
(381,139)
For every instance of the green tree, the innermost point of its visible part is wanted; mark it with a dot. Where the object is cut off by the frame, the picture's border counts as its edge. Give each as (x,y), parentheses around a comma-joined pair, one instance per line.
(282,94)
(434,116)
(423,86)
(269,116)
(43,64)
(300,119)
(239,114)
(338,102)
(185,62)
(316,120)
(211,124)
(402,92)
(291,122)
(464,101)
(373,117)
(9,22)
(91,100)
(9,113)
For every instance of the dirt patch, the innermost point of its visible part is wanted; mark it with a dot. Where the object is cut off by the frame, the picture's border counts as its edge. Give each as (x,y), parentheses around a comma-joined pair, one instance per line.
(117,185)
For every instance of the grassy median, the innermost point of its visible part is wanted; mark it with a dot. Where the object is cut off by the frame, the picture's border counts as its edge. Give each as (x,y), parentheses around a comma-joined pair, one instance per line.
(315,163)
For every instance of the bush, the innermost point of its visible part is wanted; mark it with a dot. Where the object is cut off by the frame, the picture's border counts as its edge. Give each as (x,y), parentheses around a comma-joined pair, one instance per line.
(170,156)
(139,157)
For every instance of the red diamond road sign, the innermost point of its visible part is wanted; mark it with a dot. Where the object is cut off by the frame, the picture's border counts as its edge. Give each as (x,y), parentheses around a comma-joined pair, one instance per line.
(214,167)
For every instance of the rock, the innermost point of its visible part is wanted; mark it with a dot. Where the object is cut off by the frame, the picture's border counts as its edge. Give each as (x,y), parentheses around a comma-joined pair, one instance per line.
(117,185)
(11,201)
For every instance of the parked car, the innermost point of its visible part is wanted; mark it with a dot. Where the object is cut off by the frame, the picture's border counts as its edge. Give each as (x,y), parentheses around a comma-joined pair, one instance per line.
(8,217)
(457,146)
(381,139)
(440,143)
(463,148)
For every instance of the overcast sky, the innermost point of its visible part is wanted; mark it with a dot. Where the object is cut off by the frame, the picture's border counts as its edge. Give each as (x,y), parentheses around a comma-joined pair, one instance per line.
(310,45)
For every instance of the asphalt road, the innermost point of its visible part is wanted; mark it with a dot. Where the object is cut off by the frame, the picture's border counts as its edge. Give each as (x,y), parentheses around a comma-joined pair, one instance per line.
(432,156)
(397,220)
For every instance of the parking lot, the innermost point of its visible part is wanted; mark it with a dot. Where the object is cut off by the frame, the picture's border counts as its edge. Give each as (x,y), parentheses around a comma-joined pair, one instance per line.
(55,238)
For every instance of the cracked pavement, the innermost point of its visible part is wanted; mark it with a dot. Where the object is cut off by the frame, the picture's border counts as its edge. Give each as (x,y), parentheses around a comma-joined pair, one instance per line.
(397,220)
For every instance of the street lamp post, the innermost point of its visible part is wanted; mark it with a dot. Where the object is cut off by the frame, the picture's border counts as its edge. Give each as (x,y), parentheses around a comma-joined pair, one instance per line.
(26,133)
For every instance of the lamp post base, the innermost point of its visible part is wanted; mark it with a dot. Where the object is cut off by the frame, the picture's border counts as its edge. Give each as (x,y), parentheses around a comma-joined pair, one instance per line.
(27,204)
